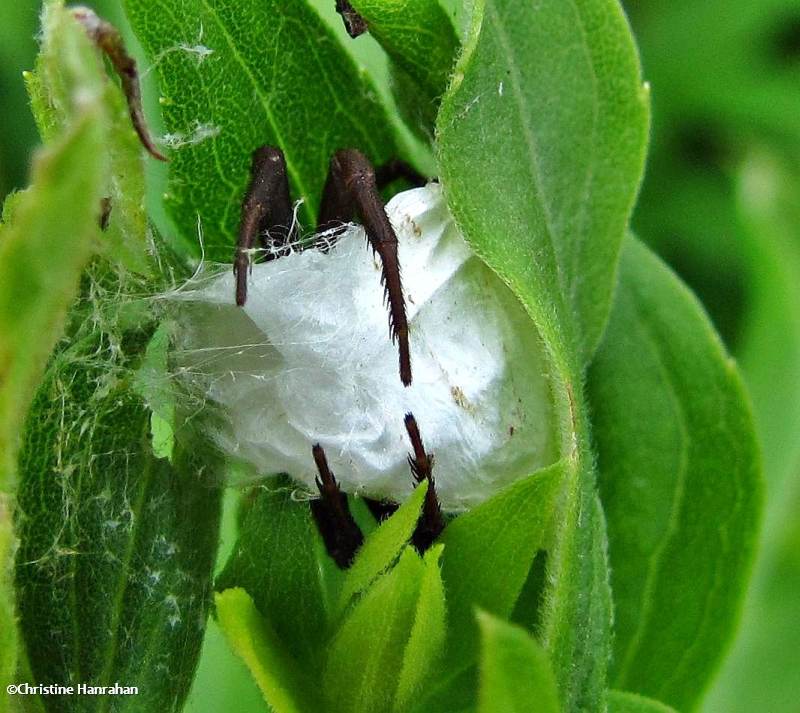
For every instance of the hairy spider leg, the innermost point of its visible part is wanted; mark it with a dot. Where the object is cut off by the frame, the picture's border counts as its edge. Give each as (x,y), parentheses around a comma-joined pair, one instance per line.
(381,509)
(353,22)
(105,213)
(108,39)
(266,210)
(339,531)
(431,522)
(394,169)
(352,189)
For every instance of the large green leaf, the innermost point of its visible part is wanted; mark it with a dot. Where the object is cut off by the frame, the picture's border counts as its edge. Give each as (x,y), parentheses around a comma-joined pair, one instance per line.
(724,214)
(541,181)
(418,35)
(369,55)
(113,579)
(515,674)
(113,568)
(278,560)
(541,144)
(45,241)
(501,535)
(237,74)
(39,268)
(680,482)
(125,235)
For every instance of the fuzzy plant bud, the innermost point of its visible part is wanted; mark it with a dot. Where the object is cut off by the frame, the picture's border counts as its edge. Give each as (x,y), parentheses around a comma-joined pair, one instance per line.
(309,360)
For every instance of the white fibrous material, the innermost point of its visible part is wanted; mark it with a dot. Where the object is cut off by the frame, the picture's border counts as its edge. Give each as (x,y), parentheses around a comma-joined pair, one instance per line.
(309,359)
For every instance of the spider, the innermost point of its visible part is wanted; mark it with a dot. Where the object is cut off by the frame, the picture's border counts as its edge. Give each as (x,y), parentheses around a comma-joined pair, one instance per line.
(352,189)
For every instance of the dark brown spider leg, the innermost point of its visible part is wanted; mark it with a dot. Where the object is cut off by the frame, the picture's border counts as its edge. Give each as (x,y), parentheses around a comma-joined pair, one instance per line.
(105,213)
(266,208)
(381,509)
(339,531)
(353,22)
(395,169)
(431,522)
(351,189)
(109,40)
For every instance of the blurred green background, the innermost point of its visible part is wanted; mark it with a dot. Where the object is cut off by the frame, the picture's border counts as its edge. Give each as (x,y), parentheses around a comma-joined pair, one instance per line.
(720,202)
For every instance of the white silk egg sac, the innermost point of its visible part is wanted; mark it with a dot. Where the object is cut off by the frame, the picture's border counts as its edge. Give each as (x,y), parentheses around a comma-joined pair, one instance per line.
(309,359)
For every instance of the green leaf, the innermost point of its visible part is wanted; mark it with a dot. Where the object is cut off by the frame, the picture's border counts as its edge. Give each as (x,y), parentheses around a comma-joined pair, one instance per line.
(763,670)
(577,609)
(237,74)
(369,56)
(125,238)
(45,241)
(456,693)
(680,482)
(39,266)
(418,35)
(382,547)
(428,633)
(421,41)
(279,676)
(545,196)
(113,576)
(623,702)
(8,619)
(501,535)
(116,545)
(515,674)
(735,243)
(113,579)
(366,654)
(278,560)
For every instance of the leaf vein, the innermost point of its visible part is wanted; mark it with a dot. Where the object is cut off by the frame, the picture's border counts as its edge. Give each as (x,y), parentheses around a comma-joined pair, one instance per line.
(654,560)
(237,56)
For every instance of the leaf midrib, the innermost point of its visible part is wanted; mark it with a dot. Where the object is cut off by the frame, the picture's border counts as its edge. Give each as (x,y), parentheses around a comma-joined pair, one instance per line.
(534,169)
(124,580)
(644,622)
(236,55)
(580,238)
(655,558)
